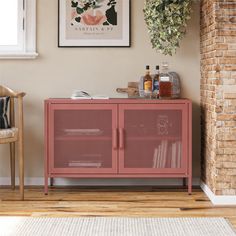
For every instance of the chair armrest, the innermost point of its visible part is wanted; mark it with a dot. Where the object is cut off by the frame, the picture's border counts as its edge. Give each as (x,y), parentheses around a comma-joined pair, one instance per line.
(18,95)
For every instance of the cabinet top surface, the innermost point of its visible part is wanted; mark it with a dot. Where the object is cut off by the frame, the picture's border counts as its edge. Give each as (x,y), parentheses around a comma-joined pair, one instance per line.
(117,101)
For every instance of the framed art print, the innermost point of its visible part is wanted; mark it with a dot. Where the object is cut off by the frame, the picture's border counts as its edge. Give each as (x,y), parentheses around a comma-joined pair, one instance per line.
(94,23)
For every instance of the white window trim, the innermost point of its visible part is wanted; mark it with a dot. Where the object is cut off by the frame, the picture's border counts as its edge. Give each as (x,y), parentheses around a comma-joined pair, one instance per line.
(29,35)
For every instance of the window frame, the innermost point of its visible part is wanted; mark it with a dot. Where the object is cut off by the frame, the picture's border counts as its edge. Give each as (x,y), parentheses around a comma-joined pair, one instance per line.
(26,48)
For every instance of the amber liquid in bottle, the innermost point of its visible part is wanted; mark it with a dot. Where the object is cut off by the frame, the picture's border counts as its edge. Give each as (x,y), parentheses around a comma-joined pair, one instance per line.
(147,83)
(165,89)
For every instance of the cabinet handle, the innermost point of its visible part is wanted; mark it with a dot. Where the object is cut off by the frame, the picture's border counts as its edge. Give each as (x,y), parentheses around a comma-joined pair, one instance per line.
(114,139)
(121,138)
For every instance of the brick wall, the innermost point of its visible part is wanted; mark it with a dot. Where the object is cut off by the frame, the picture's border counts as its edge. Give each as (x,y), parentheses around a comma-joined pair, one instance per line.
(218,95)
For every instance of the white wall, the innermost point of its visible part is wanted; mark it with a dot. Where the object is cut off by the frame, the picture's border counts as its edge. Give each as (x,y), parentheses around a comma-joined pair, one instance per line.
(58,71)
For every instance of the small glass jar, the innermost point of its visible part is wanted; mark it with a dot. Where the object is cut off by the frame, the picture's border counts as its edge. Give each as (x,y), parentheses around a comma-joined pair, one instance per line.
(141,87)
(176,86)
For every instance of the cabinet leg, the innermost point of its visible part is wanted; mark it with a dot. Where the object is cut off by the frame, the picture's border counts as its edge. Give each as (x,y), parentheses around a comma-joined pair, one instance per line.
(46,185)
(190,185)
(51,182)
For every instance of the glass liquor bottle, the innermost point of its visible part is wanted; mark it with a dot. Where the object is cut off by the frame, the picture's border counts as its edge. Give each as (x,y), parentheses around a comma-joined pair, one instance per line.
(165,82)
(147,83)
(155,83)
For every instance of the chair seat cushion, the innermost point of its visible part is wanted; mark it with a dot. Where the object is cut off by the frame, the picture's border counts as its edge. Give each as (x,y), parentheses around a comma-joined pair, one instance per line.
(8,133)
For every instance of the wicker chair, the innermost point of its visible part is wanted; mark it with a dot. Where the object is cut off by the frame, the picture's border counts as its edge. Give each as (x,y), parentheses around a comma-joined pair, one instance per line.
(14,135)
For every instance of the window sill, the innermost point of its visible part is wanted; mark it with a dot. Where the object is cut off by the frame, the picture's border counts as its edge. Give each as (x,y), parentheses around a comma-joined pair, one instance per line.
(26,55)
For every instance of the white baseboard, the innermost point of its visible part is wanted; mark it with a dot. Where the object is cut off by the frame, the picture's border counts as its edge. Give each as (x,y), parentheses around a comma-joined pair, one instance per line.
(218,200)
(6,181)
(100,182)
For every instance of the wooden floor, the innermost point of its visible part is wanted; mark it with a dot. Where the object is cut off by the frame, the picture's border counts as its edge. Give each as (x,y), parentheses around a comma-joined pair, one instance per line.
(112,201)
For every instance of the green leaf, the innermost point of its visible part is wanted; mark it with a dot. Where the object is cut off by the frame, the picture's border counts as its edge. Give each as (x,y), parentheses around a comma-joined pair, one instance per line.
(74,4)
(106,23)
(78,19)
(79,10)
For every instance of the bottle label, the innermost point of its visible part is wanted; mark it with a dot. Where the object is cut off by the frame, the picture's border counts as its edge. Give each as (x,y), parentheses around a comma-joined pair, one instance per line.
(148,86)
(165,79)
(155,85)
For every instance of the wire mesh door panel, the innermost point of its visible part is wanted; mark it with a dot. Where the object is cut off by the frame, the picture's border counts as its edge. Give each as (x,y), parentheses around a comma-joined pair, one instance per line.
(153,138)
(82,136)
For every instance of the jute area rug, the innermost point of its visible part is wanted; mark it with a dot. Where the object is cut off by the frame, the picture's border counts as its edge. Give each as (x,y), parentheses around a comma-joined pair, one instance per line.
(22,226)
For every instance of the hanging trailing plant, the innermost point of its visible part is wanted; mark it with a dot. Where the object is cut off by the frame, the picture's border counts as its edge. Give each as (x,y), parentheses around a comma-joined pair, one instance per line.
(166,21)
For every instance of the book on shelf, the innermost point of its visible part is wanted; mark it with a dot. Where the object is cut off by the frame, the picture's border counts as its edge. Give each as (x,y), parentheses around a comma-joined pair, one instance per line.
(83,132)
(173,156)
(179,155)
(167,155)
(79,94)
(155,157)
(85,164)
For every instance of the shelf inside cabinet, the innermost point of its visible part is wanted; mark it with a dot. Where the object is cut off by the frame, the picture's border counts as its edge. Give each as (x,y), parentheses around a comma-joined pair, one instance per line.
(82,138)
(154,138)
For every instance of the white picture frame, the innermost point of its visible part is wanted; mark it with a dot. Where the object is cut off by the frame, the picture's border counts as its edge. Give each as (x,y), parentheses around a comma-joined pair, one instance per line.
(105,23)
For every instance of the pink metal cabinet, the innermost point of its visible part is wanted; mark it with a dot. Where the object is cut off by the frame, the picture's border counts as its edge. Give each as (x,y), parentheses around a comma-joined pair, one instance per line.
(118,138)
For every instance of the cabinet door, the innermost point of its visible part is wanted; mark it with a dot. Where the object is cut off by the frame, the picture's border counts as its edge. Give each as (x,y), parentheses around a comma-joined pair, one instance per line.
(83,138)
(153,138)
